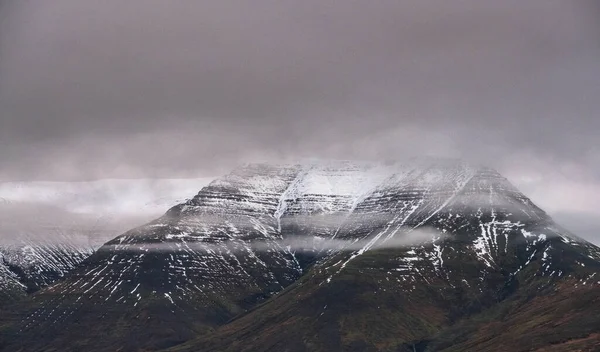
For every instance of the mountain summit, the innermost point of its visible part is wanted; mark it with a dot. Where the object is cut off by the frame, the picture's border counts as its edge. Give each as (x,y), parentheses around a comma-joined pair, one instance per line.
(424,255)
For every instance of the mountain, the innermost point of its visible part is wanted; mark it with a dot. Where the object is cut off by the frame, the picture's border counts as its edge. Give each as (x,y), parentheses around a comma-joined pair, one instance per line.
(504,277)
(48,228)
(423,255)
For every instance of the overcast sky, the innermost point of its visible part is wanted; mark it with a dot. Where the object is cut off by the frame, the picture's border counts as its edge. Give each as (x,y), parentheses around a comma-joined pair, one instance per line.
(97,89)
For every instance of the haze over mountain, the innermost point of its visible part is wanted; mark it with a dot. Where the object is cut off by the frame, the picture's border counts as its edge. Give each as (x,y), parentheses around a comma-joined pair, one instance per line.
(123,204)
(431,251)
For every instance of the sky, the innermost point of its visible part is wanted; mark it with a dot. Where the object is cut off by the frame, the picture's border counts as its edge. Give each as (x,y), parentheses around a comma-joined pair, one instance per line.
(156,89)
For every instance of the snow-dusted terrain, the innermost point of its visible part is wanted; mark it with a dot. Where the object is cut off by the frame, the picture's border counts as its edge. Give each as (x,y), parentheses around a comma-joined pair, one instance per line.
(48,228)
(311,230)
(204,251)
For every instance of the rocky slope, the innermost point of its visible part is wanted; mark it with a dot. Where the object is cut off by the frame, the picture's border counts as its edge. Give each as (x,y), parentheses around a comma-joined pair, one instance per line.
(10,286)
(323,256)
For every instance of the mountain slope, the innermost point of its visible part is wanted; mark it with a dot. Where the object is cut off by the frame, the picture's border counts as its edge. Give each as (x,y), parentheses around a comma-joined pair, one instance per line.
(37,264)
(10,286)
(496,256)
(353,256)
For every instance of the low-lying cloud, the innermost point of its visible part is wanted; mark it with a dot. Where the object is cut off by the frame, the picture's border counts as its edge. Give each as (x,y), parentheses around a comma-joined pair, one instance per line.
(403,238)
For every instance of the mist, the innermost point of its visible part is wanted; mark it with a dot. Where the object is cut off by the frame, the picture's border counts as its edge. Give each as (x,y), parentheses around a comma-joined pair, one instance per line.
(85,213)
(403,238)
(152,90)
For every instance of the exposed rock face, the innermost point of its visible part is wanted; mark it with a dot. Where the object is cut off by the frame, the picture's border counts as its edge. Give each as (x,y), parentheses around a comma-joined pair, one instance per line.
(420,245)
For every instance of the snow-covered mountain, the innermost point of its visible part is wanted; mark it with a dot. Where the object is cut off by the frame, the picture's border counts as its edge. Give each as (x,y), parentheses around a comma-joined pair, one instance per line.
(433,241)
(48,228)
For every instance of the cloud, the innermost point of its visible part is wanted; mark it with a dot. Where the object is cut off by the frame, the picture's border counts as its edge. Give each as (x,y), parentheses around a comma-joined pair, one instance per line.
(191,89)
(88,89)
(404,238)
(121,196)
(24,223)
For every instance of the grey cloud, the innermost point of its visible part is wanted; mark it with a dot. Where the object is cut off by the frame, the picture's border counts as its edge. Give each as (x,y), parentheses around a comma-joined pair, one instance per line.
(29,222)
(239,79)
(190,89)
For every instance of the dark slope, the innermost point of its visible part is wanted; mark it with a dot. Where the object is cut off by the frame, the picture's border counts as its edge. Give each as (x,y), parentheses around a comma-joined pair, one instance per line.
(563,316)
(366,308)
(393,257)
